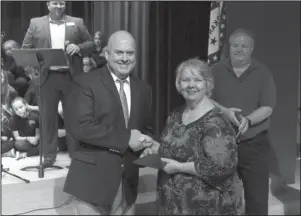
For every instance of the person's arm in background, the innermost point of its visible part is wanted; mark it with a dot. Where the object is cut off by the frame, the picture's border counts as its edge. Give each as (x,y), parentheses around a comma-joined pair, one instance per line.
(228,112)
(14,127)
(267,101)
(28,41)
(87,44)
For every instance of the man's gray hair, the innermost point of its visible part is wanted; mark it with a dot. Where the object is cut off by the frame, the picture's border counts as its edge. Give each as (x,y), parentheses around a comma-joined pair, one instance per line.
(242,31)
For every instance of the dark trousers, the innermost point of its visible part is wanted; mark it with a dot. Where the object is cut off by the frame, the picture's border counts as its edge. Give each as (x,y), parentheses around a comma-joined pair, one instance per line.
(253,169)
(57,87)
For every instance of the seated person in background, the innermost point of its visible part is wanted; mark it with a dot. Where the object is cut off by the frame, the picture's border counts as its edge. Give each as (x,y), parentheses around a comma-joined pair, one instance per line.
(25,128)
(88,64)
(32,94)
(16,75)
(199,146)
(62,145)
(7,139)
(99,43)
(7,95)
(97,55)
(7,92)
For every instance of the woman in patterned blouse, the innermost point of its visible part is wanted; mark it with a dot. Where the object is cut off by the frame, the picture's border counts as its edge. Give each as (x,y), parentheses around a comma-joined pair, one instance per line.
(200,149)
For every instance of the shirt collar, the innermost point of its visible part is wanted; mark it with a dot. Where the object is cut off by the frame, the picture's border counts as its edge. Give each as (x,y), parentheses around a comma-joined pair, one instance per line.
(115,78)
(61,21)
(254,64)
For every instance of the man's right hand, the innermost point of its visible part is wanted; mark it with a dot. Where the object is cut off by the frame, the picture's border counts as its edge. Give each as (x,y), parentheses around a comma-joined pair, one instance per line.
(153,149)
(230,114)
(236,118)
(134,143)
(138,141)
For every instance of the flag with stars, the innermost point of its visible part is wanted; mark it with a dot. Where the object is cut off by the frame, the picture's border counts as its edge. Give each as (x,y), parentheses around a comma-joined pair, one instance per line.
(217,30)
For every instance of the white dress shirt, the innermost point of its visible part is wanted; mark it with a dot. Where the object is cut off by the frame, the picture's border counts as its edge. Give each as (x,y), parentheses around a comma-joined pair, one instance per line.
(57,33)
(127,89)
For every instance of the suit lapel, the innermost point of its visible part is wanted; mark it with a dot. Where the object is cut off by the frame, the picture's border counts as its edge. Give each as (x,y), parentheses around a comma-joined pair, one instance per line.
(67,29)
(135,93)
(108,81)
(46,28)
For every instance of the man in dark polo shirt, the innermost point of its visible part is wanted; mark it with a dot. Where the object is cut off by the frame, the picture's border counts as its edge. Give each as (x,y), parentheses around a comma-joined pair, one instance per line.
(246,85)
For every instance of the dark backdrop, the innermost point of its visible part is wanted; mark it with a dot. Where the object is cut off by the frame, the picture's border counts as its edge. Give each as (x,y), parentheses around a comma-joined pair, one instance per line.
(276,26)
(178,31)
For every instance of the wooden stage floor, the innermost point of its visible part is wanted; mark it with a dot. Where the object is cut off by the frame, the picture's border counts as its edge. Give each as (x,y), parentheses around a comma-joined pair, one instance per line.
(46,193)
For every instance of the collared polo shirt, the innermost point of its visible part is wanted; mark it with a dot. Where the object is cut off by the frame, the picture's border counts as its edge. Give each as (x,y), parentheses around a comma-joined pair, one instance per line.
(254,88)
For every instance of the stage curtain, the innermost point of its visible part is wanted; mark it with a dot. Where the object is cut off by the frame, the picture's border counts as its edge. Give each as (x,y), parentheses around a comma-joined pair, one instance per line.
(130,16)
(177,31)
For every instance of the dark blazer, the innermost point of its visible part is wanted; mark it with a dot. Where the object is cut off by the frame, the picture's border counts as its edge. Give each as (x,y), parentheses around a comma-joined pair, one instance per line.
(103,155)
(38,36)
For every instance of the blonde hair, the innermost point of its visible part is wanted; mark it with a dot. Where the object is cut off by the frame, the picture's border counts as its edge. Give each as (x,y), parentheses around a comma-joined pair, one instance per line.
(197,65)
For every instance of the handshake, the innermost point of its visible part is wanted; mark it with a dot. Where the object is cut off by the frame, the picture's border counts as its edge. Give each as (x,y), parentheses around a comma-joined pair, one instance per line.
(139,141)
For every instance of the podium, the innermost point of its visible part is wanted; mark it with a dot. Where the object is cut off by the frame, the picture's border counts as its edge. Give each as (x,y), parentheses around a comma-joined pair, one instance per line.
(39,58)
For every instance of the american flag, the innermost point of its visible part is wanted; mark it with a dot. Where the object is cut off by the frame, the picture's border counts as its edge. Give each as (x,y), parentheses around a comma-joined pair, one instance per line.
(217,32)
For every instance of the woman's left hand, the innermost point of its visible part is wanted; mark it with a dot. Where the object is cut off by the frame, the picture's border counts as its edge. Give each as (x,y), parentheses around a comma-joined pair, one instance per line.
(172,166)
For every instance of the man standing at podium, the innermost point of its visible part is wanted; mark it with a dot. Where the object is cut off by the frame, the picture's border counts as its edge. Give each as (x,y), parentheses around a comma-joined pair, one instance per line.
(58,31)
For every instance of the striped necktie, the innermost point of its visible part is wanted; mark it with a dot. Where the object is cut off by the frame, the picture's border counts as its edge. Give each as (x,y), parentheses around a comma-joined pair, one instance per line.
(123,101)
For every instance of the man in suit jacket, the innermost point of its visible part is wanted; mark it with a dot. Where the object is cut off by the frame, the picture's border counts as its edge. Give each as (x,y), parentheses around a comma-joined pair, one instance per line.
(57,31)
(111,129)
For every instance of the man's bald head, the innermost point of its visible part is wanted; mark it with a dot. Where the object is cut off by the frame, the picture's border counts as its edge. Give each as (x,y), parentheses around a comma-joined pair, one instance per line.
(121,53)
(120,36)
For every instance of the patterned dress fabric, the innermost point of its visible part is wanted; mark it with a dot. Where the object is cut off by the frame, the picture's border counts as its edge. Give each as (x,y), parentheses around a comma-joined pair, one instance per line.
(210,143)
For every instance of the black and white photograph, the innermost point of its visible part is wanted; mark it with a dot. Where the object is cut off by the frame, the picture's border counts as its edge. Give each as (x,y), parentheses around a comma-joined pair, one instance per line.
(150,107)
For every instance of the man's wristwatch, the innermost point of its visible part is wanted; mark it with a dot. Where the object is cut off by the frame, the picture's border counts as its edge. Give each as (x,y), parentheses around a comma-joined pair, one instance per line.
(249,123)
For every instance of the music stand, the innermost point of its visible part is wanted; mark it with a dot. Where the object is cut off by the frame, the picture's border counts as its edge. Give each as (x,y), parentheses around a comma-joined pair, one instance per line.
(51,57)
(32,57)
